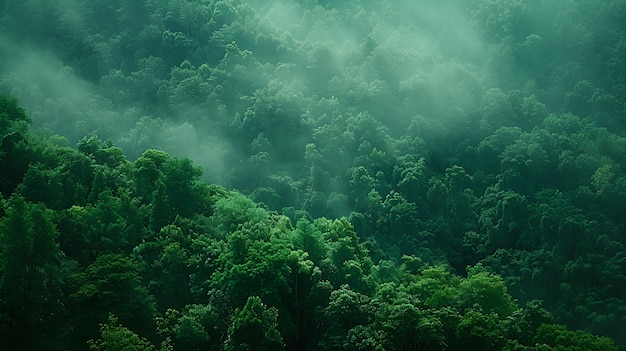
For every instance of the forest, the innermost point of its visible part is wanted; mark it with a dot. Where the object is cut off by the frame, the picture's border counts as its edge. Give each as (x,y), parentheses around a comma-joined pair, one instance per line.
(313,175)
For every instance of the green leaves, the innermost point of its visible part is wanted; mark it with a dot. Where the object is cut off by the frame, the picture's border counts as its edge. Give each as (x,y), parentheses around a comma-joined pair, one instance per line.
(475,133)
(409,328)
(234,211)
(486,290)
(254,327)
(13,159)
(103,152)
(115,337)
(197,327)
(112,284)
(147,171)
(562,339)
(29,263)
(13,119)
(481,331)
(263,271)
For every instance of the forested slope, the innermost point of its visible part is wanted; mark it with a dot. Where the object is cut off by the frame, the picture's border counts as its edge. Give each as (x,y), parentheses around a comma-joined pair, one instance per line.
(97,250)
(406,166)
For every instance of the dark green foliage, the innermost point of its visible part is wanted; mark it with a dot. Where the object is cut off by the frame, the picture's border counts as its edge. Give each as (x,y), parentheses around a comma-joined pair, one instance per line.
(527,320)
(481,331)
(198,327)
(30,283)
(114,336)
(254,327)
(560,338)
(111,284)
(13,125)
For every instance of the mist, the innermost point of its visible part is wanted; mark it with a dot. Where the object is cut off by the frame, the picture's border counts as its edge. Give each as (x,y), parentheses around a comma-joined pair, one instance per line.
(207,80)
(59,99)
(392,61)
(213,77)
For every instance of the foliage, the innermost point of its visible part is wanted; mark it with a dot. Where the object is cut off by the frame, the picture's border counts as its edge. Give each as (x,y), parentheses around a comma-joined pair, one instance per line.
(114,336)
(309,175)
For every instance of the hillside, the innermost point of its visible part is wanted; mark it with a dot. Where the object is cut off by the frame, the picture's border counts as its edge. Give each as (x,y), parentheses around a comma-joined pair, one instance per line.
(313,175)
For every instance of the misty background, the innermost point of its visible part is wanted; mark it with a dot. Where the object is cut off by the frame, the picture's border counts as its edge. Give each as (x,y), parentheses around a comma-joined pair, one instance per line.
(188,76)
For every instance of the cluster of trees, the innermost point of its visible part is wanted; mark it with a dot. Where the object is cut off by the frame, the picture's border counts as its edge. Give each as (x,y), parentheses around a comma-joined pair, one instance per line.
(99,251)
(482,134)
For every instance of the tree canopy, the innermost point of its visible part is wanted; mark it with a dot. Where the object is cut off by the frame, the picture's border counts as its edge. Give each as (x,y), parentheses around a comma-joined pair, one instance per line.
(312,175)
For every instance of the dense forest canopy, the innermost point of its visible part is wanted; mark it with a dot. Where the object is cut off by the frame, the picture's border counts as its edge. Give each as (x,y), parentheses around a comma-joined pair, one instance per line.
(313,175)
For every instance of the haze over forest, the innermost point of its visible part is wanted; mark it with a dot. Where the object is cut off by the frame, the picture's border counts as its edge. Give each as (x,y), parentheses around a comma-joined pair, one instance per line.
(313,175)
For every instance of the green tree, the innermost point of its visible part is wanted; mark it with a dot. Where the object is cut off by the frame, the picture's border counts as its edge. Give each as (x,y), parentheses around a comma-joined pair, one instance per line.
(255,268)
(254,328)
(496,111)
(401,218)
(486,290)
(103,152)
(197,327)
(348,261)
(461,202)
(346,310)
(526,321)
(490,148)
(235,210)
(503,217)
(107,225)
(13,127)
(41,184)
(434,285)
(562,339)
(147,171)
(162,212)
(408,328)
(111,284)
(13,119)
(481,331)
(412,180)
(30,284)
(308,238)
(115,337)
(179,177)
